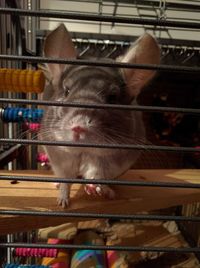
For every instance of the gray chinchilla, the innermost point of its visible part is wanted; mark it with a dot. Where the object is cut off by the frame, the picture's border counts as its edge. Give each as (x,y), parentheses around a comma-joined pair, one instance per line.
(96,85)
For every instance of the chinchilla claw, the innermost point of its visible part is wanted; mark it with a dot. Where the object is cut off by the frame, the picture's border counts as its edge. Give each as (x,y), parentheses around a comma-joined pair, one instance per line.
(63,202)
(99,190)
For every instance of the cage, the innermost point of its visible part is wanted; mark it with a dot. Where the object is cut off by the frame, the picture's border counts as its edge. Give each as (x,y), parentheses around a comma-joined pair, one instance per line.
(154,220)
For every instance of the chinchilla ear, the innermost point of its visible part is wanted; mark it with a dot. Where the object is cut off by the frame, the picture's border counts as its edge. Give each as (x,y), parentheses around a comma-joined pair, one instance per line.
(58,44)
(144,51)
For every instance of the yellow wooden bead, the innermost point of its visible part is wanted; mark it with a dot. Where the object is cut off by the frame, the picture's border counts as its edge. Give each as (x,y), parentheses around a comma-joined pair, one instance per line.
(38,81)
(22,80)
(2,79)
(15,80)
(8,79)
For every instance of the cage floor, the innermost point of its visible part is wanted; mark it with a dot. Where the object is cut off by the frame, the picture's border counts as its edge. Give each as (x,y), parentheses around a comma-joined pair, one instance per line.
(130,199)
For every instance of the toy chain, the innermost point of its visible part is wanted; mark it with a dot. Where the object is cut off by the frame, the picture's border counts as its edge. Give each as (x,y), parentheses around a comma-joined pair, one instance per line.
(16,80)
(36,252)
(13,265)
(16,114)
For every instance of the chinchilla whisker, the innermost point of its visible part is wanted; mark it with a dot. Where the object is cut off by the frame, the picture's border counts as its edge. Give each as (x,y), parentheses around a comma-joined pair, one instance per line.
(20,134)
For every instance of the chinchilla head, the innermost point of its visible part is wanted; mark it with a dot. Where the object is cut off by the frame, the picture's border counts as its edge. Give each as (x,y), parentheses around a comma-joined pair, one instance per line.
(95,85)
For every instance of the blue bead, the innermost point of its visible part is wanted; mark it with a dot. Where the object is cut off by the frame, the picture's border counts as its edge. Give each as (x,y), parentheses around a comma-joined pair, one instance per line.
(12,114)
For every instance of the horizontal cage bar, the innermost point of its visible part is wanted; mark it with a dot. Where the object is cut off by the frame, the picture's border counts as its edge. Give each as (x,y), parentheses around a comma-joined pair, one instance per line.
(102,181)
(103,146)
(102,63)
(102,106)
(100,18)
(157,22)
(98,247)
(99,215)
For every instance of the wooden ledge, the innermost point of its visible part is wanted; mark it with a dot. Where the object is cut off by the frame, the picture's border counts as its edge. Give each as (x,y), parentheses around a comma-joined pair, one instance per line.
(42,196)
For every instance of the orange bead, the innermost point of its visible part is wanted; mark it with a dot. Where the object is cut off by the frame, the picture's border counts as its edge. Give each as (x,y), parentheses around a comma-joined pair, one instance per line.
(17,80)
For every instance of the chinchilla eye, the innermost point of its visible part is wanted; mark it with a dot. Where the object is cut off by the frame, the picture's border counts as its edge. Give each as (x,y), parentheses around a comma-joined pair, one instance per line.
(112,98)
(66,89)
(113,95)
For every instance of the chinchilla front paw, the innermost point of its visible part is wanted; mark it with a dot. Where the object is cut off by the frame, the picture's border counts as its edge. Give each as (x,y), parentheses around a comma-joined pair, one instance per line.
(63,201)
(101,190)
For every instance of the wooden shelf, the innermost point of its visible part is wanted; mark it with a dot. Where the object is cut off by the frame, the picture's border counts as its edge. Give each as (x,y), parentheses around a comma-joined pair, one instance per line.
(42,196)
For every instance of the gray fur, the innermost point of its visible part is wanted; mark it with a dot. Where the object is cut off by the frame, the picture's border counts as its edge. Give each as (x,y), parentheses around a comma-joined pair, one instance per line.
(90,85)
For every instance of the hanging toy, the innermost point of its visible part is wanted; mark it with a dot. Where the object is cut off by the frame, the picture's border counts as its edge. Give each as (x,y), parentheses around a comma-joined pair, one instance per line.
(16,80)
(36,252)
(62,260)
(14,265)
(33,127)
(87,257)
(42,158)
(18,114)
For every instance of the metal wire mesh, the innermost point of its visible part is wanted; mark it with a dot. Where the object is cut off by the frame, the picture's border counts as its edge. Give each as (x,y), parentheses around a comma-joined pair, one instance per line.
(31,59)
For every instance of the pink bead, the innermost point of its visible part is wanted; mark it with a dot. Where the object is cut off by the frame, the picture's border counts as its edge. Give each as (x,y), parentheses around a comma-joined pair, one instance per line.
(42,158)
(37,252)
(34,127)
(44,252)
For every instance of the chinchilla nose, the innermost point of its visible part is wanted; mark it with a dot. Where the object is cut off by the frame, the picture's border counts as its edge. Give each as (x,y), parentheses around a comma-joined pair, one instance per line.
(78,129)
